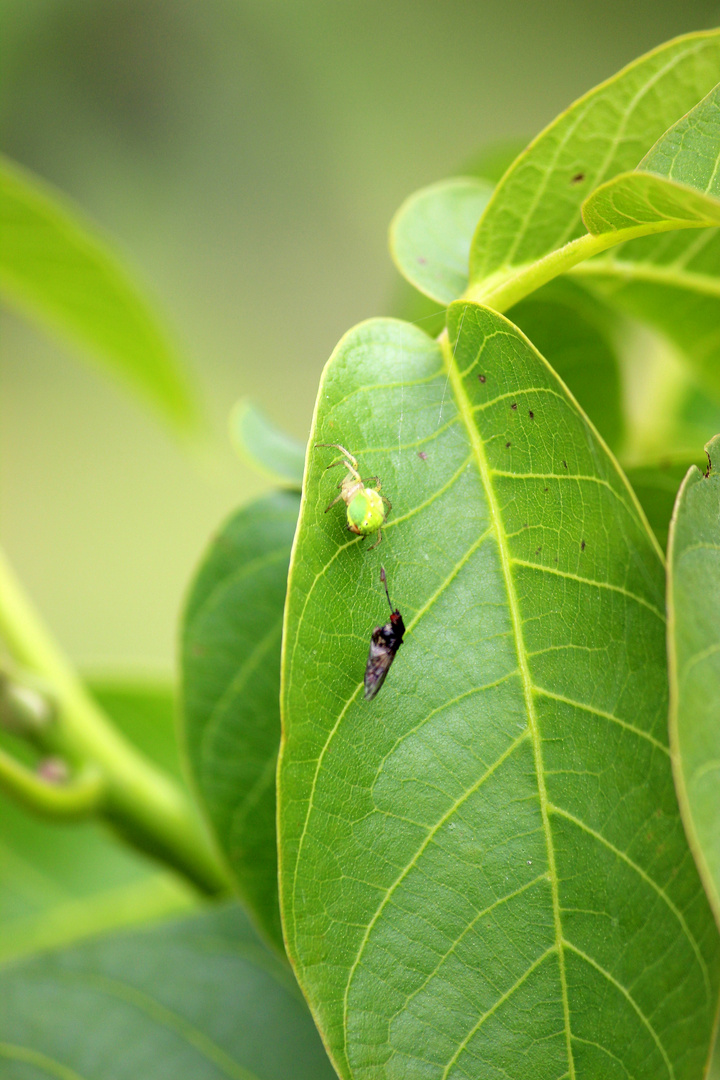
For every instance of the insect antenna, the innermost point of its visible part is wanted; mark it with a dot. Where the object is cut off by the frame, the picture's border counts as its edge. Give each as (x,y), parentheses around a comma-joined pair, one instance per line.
(383,578)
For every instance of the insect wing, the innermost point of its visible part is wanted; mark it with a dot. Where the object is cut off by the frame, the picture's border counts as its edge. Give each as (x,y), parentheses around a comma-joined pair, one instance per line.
(384,643)
(380,657)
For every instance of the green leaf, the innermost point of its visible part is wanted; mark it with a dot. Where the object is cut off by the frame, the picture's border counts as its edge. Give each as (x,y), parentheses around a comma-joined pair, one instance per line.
(483,871)
(431,233)
(200,999)
(231,635)
(56,268)
(60,882)
(573,332)
(536,209)
(694,655)
(672,282)
(638,200)
(676,185)
(266,447)
(656,486)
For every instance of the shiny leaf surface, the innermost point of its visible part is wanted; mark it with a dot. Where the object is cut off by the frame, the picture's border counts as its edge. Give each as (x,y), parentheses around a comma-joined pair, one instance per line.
(483,871)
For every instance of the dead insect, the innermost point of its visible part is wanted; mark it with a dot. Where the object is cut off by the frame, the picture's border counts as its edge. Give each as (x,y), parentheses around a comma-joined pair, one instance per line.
(384,643)
(366,507)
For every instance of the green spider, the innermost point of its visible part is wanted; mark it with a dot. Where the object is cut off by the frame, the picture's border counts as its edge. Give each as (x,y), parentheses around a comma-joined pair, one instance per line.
(366,507)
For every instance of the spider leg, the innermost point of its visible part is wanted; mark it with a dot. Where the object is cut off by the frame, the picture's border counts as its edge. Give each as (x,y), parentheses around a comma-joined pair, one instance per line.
(335,500)
(373,546)
(386,501)
(350,462)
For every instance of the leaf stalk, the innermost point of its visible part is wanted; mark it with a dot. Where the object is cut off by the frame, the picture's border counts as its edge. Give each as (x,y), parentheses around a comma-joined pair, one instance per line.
(140,801)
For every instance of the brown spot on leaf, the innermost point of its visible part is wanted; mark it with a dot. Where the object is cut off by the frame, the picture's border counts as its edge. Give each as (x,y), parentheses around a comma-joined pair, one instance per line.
(531,414)
(514,405)
(507,444)
(582,546)
(422,455)
(578,178)
(482,378)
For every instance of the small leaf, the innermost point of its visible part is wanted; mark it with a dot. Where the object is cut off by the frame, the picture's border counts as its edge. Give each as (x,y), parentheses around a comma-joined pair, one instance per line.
(676,184)
(430,235)
(57,269)
(231,637)
(536,208)
(266,447)
(200,999)
(61,882)
(637,203)
(572,330)
(483,871)
(694,654)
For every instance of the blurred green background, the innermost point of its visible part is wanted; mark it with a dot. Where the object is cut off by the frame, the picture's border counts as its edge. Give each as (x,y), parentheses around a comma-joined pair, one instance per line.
(248,155)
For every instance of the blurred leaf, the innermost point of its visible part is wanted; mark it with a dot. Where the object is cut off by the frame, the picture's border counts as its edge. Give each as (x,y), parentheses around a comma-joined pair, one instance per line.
(536,208)
(200,999)
(266,447)
(56,268)
(483,871)
(231,638)
(694,654)
(430,235)
(656,486)
(65,881)
(572,331)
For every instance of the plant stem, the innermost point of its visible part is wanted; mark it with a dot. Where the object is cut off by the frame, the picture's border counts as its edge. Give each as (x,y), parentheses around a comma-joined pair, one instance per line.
(505,288)
(139,800)
(78,798)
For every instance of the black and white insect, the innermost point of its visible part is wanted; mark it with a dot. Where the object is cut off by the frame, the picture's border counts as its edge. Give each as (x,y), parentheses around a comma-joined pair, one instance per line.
(384,643)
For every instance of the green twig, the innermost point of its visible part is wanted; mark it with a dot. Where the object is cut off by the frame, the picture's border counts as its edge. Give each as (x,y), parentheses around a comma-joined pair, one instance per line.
(139,800)
(79,797)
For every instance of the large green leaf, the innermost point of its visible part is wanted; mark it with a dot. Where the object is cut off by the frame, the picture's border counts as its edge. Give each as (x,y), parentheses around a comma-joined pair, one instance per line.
(57,268)
(536,208)
(431,233)
(200,999)
(231,636)
(483,871)
(694,653)
(59,882)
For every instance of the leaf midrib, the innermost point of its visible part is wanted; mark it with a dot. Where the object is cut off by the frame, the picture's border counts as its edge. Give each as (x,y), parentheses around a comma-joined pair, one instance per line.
(466,413)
